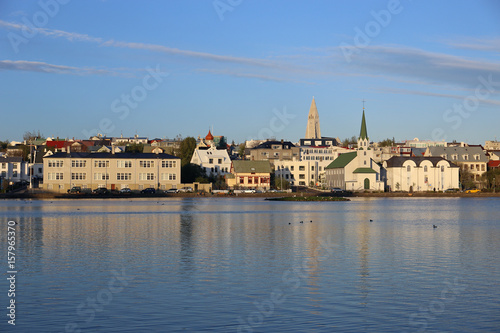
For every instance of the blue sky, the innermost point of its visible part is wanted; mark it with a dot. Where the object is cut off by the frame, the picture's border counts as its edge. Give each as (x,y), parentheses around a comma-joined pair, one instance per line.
(249,69)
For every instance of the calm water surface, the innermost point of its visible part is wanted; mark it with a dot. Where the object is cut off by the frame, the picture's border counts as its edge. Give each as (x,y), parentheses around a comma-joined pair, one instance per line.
(248,265)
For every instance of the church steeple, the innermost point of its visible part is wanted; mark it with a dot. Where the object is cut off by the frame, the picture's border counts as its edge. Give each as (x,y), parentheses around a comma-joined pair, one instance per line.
(313,131)
(363,134)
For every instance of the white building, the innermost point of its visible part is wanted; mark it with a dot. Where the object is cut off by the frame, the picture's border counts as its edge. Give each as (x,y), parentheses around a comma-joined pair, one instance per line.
(421,174)
(13,170)
(213,161)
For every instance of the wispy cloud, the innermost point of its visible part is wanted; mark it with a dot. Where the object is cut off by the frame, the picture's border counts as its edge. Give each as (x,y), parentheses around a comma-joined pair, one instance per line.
(431,67)
(477,44)
(250,75)
(42,67)
(432,94)
(71,36)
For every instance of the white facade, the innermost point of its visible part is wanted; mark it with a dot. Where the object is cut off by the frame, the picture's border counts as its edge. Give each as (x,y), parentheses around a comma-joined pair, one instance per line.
(213,161)
(13,169)
(421,174)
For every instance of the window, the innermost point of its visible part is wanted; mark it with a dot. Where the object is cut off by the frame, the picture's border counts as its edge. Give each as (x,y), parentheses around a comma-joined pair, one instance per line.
(426,180)
(4,165)
(241,181)
(219,161)
(425,169)
(302,176)
(291,168)
(168,176)
(442,168)
(78,163)
(123,176)
(302,168)
(482,167)
(249,180)
(55,175)
(14,166)
(124,164)
(146,164)
(472,166)
(312,168)
(55,164)
(210,161)
(78,176)
(147,176)
(101,176)
(101,164)
(168,164)
(466,157)
(408,168)
(364,163)
(14,174)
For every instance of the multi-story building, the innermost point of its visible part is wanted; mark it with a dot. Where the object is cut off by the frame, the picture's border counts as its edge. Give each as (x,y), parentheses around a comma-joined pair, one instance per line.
(472,159)
(309,169)
(13,170)
(274,151)
(136,171)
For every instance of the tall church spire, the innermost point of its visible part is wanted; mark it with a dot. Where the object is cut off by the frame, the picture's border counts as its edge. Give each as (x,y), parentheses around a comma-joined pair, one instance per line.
(363,134)
(313,131)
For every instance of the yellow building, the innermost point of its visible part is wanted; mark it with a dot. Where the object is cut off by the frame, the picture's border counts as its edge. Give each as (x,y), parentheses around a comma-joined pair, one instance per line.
(136,171)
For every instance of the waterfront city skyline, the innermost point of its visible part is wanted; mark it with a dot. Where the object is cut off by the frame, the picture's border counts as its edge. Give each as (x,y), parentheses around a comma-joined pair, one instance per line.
(426,70)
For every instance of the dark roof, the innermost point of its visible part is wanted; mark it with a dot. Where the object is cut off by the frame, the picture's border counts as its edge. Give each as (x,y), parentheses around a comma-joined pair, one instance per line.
(398,161)
(342,160)
(269,144)
(12,159)
(110,155)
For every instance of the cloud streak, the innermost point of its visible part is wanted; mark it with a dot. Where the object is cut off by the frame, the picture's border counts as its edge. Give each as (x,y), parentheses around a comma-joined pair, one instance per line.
(43,67)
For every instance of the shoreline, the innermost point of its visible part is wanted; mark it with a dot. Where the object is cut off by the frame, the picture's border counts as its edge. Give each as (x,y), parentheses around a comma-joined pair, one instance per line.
(54,196)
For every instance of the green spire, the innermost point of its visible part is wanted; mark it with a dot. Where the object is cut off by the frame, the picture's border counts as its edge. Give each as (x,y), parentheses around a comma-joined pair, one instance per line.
(364,133)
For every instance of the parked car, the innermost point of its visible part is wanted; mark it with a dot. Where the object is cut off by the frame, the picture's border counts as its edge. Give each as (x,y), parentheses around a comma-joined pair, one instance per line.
(149,190)
(186,189)
(101,191)
(452,190)
(172,190)
(337,190)
(475,190)
(125,190)
(75,189)
(249,191)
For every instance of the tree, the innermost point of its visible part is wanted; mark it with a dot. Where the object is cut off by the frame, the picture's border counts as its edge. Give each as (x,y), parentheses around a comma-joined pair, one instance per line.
(491,178)
(466,178)
(352,141)
(241,150)
(386,143)
(4,144)
(186,150)
(135,148)
(192,173)
(281,183)
(29,137)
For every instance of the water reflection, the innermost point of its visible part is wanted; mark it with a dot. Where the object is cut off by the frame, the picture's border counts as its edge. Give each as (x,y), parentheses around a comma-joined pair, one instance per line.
(200,264)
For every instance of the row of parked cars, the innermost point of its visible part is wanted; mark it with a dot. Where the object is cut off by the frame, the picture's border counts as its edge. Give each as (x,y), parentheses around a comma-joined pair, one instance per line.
(104,191)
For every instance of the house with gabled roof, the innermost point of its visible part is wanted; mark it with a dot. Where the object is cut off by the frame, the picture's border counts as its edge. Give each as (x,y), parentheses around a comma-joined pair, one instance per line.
(250,174)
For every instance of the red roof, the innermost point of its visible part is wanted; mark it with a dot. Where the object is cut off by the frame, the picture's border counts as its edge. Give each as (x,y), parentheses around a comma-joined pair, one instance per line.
(57,144)
(209,136)
(493,164)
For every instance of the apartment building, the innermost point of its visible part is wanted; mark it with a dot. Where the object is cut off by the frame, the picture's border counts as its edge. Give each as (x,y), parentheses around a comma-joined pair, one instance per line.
(136,171)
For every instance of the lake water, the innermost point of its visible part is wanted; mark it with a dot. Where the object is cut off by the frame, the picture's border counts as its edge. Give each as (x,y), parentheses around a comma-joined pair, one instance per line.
(249,265)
